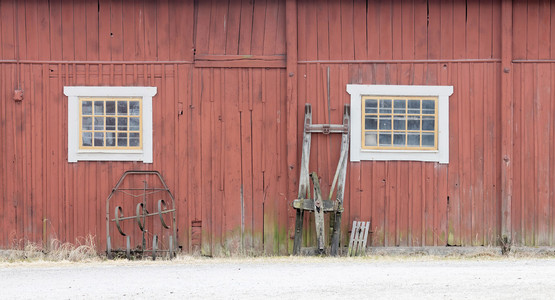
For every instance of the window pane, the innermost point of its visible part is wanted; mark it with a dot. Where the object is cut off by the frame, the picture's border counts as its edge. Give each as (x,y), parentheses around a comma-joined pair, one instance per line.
(98,107)
(99,139)
(413,107)
(385,106)
(110,139)
(413,139)
(134,139)
(134,108)
(370,139)
(86,108)
(87,139)
(122,124)
(413,123)
(385,122)
(428,122)
(399,123)
(399,106)
(110,123)
(371,106)
(122,139)
(385,139)
(399,140)
(86,123)
(428,107)
(134,124)
(428,140)
(111,108)
(371,122)
(122,107)
(98,123)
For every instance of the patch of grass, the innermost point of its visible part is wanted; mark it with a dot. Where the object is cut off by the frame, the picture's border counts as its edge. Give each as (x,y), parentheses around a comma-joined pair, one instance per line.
(83,250)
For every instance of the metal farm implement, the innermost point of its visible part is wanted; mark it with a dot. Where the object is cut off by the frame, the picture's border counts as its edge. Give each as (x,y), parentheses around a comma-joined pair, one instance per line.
(318,204)
(141,216)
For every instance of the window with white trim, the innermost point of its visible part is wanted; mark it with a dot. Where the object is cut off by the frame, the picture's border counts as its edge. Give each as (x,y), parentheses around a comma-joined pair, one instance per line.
(109,123)
(400,122)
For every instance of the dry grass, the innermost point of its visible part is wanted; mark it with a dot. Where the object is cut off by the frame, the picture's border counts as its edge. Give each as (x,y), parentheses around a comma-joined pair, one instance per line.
(83,250)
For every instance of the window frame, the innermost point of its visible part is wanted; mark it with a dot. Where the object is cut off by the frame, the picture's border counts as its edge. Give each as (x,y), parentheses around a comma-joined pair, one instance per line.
(75,153)
(358,153)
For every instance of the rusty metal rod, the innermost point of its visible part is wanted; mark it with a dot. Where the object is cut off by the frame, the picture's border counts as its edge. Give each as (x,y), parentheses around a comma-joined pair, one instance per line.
(146,215)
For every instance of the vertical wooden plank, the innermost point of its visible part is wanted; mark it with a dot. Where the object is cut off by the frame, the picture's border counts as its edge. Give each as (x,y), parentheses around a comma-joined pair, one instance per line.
(496,27)
(311,33)
(104,37)
(152,26)
(181,19)
(259,195)
(544,38)
(280,30)
(323,29)
(486,28)
(43,10)
(453,201)
(302,10)
(434,29)
(21,30)
(7,10)
(291,113)
(459,30)
(206,181)
(529,171)
(270,27)
(245,28)
(386,32)
(116,30)
(447,30)
(31,29)
(218,28)
(233,26)
(473,30)
(68,37)
(542,112)
(232,170)
(129,38)
(373,31)
(391,205)
(347,31)
(477,113)
(257,38)
(359,24)
(246,161)
(507,118)
(420,29)
(92,33)
(512,212)
(397,29)
(378,188)
(217,160)
(532,28)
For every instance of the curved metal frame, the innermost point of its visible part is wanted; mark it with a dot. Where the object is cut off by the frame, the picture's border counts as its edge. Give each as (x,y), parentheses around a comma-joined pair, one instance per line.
(141,213)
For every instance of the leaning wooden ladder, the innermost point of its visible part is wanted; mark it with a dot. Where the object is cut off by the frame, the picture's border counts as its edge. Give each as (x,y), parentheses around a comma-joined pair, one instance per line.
(318,204)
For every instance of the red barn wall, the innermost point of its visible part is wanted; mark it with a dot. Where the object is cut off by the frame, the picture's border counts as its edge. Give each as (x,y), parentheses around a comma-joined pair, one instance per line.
(220,115)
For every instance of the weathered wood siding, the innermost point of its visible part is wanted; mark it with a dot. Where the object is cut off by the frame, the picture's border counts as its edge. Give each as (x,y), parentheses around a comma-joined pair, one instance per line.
(220,115)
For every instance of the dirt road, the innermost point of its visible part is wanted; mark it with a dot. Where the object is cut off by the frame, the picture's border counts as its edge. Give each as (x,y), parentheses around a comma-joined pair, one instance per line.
(283,278)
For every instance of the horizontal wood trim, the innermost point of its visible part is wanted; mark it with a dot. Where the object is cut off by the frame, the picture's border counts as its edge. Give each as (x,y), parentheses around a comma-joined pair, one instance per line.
(240,61)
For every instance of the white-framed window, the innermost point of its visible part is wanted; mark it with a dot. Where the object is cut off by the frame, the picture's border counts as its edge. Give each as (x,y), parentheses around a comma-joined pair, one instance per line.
(400,122)
(109,123)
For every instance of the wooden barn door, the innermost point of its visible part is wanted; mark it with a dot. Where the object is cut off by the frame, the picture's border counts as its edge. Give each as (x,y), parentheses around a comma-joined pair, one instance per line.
(237,150)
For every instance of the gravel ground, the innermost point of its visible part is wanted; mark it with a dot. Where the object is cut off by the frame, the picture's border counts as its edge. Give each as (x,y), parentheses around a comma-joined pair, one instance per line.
(284,278)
